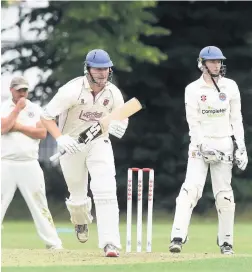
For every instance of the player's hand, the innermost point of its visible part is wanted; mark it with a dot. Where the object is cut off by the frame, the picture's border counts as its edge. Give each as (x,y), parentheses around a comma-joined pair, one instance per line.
(117,128)
(241,158)
(69,144)
(16,127)
(210,155)
(21,104)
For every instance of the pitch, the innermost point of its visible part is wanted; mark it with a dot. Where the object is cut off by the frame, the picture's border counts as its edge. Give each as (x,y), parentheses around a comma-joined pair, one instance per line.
(22,250)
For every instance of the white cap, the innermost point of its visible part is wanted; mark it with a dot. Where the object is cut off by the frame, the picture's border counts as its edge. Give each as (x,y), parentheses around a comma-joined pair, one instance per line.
(18,83)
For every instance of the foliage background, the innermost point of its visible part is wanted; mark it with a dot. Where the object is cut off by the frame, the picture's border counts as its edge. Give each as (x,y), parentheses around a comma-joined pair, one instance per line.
(154,46)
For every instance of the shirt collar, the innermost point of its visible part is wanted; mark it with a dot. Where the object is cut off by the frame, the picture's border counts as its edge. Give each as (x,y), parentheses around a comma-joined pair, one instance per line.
(86,84)
(10,102)
(203,83)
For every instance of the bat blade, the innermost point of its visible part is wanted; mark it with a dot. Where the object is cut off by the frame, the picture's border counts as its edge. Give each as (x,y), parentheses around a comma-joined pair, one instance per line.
(126,110)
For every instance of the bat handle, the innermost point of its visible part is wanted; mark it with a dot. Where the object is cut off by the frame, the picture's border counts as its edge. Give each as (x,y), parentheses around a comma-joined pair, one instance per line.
(56,156)
(59,154)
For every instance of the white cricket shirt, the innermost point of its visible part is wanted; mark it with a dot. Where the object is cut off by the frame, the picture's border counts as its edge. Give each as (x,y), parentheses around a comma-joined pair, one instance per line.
(16,145)
(210,113)
(78,109)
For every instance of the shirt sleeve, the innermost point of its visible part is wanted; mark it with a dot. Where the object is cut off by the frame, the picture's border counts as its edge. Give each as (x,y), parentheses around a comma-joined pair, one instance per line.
(118,98)
(2,110)
(236,118)
(62,101)
(39,112)
(193,117)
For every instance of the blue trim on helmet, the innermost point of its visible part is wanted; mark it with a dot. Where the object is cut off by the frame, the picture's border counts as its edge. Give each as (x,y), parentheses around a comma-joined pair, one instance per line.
(99,65)
(215,57)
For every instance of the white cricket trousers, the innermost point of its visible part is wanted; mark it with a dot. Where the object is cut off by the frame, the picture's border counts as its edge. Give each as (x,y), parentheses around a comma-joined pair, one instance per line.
(28,177)
(97,159)
(192,189)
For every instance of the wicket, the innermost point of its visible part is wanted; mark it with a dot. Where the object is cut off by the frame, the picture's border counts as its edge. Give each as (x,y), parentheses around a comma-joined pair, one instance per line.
(139,208)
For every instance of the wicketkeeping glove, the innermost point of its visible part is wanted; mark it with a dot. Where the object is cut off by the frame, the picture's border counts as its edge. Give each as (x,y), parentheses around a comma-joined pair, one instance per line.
(241,158)
(69,144)
(117,128)
(210,155)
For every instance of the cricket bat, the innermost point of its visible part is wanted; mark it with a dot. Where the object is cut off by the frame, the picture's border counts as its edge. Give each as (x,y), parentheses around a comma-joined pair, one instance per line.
(126,110)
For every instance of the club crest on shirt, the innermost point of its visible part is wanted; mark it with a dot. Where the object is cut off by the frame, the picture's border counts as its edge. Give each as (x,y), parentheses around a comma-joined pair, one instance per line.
(222,96)
(105,102)
(30,114)
(203,98)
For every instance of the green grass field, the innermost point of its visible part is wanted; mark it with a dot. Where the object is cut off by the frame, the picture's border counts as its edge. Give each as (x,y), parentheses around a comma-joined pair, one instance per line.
(23,251)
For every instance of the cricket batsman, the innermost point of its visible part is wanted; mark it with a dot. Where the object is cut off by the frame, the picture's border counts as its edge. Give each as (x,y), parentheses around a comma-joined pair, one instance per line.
(213,113)
(80,103)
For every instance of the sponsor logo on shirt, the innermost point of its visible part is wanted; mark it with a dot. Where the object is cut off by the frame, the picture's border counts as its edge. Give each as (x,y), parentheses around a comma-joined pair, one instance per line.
(211,112)
(90,116)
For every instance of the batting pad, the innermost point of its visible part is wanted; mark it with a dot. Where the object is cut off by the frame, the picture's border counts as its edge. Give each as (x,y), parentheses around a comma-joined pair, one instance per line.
(185,203)
(80,212)
(226,210)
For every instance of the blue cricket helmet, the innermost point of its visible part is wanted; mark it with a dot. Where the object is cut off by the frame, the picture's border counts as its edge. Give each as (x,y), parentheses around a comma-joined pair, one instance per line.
(211,53)
(98,58)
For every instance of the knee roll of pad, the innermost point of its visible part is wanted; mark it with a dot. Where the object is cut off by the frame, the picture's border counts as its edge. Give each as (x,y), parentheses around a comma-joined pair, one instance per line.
(189,196)
(80,212)
(225,201)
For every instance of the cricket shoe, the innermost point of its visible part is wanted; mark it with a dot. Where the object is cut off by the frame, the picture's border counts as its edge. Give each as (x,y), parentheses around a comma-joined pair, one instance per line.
(82,232)
(111,251)
(226,249)
(176,245)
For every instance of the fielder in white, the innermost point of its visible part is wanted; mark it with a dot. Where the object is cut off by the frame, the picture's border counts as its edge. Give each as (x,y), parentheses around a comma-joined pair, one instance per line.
(213,112)
(21,131)
(79,104)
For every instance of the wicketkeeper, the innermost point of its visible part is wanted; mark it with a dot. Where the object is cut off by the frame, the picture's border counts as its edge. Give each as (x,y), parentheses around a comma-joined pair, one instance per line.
(213,112)
(79,104)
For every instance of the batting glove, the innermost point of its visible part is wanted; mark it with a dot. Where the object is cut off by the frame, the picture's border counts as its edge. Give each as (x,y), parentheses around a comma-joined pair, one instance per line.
(117,128)
(69,144)
(241,158)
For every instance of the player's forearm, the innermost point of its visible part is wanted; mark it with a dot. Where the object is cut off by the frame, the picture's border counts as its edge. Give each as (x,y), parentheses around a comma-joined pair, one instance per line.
(8,122)
(237,123)
(35,133)
(194,127)
(51,127)
(196,136)
(238,132)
